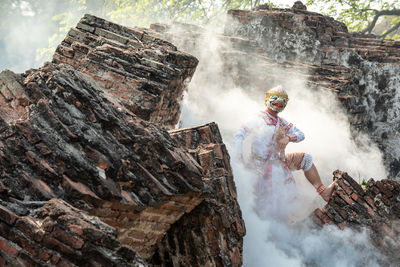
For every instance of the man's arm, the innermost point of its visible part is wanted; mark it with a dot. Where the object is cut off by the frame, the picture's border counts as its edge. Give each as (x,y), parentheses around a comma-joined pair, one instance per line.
(294,134)
(238,139)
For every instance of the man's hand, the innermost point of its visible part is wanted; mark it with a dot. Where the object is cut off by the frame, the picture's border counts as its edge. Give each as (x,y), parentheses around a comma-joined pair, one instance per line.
(282,143)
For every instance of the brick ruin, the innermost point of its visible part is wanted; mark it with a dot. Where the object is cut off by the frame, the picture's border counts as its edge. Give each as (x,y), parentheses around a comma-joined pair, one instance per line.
(262,47)
(374,208)
(90,175)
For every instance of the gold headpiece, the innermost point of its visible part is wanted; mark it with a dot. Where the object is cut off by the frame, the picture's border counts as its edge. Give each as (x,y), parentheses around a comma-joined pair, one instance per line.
(279,91)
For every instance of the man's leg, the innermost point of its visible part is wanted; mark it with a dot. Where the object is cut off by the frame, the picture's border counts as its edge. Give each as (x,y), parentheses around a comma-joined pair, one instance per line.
(313,177)
(297,161)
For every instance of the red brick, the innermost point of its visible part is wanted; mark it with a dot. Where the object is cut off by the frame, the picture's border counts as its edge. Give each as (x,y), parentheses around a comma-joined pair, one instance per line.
(317,220)
(30,228)
(77,187)
(354,196)
(370,211)
(67,238)
(55,259)
(43,149)
(388,230)
(382,242)
(344,197)
(77,229)
(326,219)
(370,202)
(7,248)
(7,216)
(345,187)
(2,261)
(341,225)
(53,243)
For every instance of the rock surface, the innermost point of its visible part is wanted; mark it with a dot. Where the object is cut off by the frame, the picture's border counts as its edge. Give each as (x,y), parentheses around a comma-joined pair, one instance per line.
(87,180)
(376,209)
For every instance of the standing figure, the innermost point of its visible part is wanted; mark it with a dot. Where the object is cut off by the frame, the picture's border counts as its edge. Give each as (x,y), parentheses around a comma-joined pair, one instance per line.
(270,135)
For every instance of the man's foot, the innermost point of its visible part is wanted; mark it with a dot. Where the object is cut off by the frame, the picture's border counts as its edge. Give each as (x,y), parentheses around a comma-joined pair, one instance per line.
(327,193)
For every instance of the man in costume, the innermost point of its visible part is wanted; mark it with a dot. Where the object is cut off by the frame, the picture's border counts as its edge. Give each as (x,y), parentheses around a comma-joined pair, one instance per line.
(270,135)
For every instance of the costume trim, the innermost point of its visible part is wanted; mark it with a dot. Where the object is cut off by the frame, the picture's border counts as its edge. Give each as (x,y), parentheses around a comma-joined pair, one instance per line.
(292,137)
(302,158)
(307,162)
(269,118)
(321,188)
(288,127)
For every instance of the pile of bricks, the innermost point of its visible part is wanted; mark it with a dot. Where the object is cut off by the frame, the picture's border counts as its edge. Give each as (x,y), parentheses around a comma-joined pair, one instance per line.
(58,234)
(375,208)
(211,235)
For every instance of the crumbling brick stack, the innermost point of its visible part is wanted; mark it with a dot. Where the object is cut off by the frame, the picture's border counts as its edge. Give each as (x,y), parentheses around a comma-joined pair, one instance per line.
(144,73)
(211,235)
(88,181)
(58,234)
(74,144)
(375,208)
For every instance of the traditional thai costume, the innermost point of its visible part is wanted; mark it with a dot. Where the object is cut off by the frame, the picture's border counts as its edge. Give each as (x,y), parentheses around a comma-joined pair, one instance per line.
(275,184)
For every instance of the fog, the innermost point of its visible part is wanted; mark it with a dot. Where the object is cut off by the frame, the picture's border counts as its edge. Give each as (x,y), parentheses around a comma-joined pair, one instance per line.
(213,96)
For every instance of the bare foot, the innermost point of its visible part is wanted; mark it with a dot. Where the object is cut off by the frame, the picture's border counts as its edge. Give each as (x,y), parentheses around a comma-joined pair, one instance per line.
(327,193)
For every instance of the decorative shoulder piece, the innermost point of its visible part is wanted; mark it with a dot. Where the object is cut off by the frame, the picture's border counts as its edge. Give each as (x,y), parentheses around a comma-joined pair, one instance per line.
(269,119)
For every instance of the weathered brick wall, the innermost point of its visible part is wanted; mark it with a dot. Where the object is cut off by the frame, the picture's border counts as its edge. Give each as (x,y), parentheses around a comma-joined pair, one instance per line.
(362,71)
(58,234)
(144,73)
(375,208)
(262,48)
(212,234)
(65,140)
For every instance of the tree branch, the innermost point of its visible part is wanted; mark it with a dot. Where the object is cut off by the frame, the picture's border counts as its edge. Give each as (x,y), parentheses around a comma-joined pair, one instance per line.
(378,14)
(394,28)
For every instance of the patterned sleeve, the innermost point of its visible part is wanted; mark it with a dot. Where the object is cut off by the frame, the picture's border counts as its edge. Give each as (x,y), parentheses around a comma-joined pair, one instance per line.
(294,134)
(240,135)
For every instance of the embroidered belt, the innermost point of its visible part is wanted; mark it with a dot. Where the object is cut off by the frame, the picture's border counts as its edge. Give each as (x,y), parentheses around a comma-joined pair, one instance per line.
(254,156)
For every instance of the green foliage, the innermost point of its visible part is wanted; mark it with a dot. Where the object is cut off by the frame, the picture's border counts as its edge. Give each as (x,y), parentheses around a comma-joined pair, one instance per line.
(358,14)
(142,13)
(364,184)
(47,52)
(65,21)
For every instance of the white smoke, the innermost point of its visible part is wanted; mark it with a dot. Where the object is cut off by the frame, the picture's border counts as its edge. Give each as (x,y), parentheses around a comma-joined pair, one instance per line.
(213,96)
